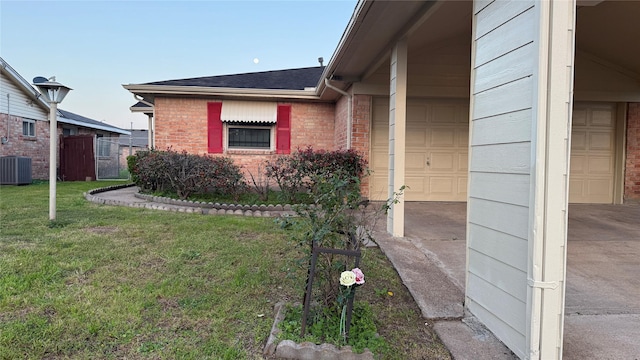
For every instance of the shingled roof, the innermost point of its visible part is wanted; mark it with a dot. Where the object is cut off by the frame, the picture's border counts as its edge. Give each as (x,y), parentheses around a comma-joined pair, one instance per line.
(72,118)
(290,79)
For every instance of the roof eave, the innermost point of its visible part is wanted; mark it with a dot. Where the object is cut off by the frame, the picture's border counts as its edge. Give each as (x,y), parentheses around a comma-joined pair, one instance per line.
(359,52)
(222,92)
(92,126)
(23,84)
(347,37)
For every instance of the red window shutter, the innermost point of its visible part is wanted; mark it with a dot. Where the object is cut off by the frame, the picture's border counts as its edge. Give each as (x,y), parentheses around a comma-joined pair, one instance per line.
(283,130)
(214,127)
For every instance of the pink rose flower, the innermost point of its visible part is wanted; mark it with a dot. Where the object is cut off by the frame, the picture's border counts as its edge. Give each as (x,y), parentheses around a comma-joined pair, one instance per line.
(359,276)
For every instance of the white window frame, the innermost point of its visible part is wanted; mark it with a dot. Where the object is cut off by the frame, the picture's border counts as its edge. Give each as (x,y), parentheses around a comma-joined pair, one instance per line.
(31,126)
(272,137)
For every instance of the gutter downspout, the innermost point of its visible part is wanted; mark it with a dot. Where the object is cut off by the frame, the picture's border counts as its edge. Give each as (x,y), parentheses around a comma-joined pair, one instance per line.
(349,109)
(5,139)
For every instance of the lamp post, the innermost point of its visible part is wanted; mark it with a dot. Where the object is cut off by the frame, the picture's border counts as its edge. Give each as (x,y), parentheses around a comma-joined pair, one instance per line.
(53,93)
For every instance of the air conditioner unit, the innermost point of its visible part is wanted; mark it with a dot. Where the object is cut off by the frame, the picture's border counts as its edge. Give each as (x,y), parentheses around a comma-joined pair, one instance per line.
(15,170)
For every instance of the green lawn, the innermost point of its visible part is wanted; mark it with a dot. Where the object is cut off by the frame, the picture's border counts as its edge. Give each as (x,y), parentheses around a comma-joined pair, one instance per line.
(106,282)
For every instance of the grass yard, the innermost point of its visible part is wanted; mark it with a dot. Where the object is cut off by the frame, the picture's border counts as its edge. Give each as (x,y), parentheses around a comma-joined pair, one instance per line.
(106,282)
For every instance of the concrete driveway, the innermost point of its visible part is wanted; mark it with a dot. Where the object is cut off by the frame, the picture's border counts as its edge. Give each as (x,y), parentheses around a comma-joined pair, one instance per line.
(602,313)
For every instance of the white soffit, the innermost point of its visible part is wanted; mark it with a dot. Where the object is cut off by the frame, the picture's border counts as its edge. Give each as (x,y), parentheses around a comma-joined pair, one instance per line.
(249,111)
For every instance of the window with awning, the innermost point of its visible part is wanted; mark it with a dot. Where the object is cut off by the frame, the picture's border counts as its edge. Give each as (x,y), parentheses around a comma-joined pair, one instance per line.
(250,125)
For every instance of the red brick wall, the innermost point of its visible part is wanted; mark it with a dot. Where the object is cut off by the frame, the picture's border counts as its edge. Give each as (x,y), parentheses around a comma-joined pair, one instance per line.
(360,127)
(37,148)
(340,133)
(361,132)
(182,125)
(312,124)
(632,166)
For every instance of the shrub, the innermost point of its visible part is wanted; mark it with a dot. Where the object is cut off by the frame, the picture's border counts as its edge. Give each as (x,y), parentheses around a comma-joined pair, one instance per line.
(132,166)
(337,218)
(284,171)
(344,163)
(146,170)
(187,174)
(297,173)
(331,221)
(261,183)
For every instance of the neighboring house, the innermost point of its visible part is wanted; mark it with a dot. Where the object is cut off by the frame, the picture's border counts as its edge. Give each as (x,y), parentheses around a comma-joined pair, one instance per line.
(548,114)
(136,141)
(24,128)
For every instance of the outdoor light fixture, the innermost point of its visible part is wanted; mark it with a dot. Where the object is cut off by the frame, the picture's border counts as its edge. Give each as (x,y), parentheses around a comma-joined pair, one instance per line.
(53,93)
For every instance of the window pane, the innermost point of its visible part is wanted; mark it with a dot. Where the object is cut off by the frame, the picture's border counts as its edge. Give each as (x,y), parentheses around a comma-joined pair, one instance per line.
(249,138)
(104,145)
(29,128)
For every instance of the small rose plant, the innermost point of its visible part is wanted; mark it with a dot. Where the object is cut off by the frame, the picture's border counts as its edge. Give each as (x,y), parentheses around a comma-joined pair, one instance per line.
(349,280)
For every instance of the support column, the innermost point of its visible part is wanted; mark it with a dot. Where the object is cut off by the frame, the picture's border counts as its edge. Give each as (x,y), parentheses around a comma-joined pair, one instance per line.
(150,135)
(518,171)
(549,218)
(397,134)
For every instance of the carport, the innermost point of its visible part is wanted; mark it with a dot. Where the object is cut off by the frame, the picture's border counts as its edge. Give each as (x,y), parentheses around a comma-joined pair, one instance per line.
(602,312)
(552,97)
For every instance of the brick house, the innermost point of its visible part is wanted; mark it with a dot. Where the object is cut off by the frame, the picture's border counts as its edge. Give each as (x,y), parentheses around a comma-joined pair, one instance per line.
(516,107)
(24,125)
(249,117)
(209,115)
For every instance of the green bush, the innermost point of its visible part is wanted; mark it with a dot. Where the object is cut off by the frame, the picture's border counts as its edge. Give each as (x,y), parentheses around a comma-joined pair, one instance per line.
(146,170)
(132,165)
(296,174)
(186,174)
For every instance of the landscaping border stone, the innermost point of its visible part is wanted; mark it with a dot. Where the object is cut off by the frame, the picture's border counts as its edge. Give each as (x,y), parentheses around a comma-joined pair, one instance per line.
(287,349)
(204,208)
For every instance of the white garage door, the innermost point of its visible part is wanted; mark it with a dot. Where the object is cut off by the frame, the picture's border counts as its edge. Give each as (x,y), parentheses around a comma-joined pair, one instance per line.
(437,150)
(592,153)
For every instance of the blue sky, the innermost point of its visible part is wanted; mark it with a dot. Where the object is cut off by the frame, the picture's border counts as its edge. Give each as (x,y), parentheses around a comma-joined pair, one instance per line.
(96,46)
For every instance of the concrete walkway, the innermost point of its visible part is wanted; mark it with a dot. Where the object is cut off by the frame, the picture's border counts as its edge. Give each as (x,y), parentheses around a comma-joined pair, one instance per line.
(431,262)
(602,308)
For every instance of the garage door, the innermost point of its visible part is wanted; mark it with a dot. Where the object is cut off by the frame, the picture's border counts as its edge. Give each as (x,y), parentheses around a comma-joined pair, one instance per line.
(592,153)
(436,150)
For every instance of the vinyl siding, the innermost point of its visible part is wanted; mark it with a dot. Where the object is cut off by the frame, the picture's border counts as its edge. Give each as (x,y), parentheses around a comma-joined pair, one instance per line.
(500,167)
(19,103)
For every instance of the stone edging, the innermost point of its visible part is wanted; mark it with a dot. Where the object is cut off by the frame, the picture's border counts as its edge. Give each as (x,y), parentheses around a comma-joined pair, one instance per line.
(109,188)
(288,349)
(168,204)
(210,205)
